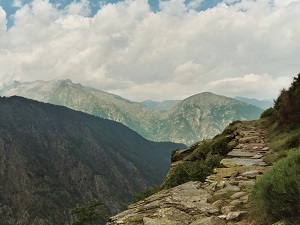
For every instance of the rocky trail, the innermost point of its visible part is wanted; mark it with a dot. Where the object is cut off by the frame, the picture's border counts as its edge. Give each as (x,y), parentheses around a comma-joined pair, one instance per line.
(222,199)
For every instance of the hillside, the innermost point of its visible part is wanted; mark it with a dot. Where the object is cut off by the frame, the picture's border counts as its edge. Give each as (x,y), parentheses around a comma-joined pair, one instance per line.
(194,199)
(200,116)
(249,174)
(204,116)
(88,100)
(53,158)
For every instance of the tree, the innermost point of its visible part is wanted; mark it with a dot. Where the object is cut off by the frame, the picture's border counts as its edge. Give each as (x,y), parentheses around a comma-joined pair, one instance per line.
(287,105)
(92,213)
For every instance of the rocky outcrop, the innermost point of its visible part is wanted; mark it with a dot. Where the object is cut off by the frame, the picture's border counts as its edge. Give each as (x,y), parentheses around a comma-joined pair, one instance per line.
(222,199)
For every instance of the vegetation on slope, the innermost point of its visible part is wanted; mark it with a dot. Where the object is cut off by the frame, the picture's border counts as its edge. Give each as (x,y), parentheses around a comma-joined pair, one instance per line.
(53,158)
(192,119)
(277,192)
(203,159)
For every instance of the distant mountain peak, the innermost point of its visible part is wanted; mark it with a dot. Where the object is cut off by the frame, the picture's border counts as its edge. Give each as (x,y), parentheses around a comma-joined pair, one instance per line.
(199,116)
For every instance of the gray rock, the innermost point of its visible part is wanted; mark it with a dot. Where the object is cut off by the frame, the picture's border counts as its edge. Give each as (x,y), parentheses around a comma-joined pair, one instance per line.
(258,156)
(246,183)
(235,202)
(221,184)
(242,162)
(238,195)
(250,172)
(219,203)
(174,214)
(236,215)
(232,188)
(240,153)
(159,221)
(265,149)
(227,209)
(209,221)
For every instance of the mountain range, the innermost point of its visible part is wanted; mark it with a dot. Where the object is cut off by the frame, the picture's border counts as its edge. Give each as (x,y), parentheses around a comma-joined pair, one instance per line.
(192,119)
(264,104)
(53,158)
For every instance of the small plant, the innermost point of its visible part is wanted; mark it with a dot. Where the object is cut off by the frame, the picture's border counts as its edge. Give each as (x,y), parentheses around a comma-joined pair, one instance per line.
(277,192)
(92,213)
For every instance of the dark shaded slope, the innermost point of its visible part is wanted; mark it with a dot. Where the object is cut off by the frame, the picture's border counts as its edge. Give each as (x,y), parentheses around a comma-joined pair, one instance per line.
(52,158)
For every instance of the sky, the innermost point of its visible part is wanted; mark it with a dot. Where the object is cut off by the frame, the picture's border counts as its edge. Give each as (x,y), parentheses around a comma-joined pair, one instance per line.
(154,50)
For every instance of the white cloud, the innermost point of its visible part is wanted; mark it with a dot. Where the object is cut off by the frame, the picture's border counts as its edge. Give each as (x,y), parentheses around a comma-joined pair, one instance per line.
(127,49)
(17,3)
(79,8)
(3,20)
(251,85)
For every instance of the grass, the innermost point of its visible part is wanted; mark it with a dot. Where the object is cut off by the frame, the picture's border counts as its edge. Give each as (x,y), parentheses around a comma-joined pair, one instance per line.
(277,192)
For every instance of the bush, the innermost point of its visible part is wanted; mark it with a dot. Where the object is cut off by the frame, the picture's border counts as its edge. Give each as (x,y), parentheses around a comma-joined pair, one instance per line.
(92,213)
(201,152)
(293,142)
(277,192)
(188,171)
(220,146)
(287,104)
(269,113)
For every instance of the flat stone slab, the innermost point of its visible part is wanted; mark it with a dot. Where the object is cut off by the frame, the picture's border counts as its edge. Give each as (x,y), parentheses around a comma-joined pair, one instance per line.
(258,156)
(240,153)
(177,205)
(233,162)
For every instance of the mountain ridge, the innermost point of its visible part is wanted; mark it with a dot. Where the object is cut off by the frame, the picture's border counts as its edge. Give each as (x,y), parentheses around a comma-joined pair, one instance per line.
(186,114)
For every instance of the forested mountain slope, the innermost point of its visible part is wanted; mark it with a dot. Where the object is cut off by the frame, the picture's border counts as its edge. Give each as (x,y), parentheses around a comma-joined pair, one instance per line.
(52,158)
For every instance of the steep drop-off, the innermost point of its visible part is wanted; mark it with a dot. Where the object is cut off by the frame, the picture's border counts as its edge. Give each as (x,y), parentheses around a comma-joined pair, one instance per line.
(52,158)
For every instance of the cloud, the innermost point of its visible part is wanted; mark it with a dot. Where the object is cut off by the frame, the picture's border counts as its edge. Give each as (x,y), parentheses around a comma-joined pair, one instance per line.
(251,85)
(127,49)
(79,8)
(17,3)
(3,20)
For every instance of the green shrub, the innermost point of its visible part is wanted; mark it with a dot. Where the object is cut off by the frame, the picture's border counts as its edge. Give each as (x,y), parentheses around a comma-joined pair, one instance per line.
(201,152)
(277,192)
(188,171)
(91,213)
(269,113)
(220,146)
(292,142)
(213,161)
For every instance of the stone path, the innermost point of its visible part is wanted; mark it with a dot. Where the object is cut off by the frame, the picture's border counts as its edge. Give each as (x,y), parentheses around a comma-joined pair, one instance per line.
(222,199)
